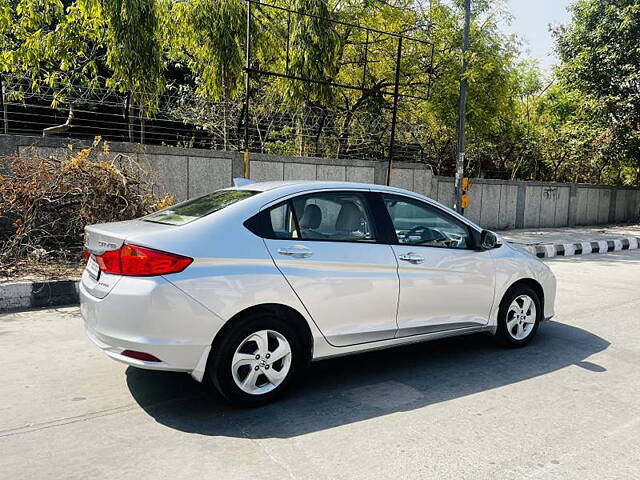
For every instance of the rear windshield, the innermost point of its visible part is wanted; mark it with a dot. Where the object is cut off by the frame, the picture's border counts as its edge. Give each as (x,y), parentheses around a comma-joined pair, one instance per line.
(191,210)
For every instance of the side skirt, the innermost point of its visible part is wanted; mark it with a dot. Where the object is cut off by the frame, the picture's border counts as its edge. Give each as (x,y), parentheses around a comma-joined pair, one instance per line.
(323,350)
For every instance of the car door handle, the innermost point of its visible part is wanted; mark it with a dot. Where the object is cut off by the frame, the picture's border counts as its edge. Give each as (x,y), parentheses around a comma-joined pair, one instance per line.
(411,258)
(296,251)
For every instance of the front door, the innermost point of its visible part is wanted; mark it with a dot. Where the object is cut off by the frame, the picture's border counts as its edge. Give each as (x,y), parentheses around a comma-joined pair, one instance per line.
(445,284)
(326,246)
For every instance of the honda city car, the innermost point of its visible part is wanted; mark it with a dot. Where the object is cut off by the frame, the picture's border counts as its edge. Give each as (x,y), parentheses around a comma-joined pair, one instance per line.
(247,285)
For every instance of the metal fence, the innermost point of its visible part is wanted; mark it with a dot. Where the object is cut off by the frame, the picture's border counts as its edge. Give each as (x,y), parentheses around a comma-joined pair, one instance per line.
(257,121)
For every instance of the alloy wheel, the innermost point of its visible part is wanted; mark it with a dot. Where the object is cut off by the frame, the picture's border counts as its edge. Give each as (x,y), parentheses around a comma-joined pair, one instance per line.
(521,317)
(261,362)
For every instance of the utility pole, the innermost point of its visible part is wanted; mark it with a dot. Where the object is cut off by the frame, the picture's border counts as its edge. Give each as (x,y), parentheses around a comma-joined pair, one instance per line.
(247,79)
(395,111)
(3,105)
(462,107)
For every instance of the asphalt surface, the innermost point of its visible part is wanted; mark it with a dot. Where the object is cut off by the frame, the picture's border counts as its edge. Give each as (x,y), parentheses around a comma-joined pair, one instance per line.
(566,407)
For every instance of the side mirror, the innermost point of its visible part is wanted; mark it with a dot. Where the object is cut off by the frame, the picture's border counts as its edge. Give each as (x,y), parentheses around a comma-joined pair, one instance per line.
(489,240)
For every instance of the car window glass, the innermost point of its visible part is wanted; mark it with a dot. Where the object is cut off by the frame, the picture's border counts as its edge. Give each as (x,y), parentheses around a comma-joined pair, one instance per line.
(193,209)
(417,223)
(282,221)
(335,216)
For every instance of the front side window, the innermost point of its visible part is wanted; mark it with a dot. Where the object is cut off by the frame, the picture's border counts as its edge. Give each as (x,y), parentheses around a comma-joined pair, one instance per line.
(418,223)
(191,210)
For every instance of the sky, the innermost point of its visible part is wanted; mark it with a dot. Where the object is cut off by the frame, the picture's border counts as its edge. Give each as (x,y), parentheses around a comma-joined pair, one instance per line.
(531,22)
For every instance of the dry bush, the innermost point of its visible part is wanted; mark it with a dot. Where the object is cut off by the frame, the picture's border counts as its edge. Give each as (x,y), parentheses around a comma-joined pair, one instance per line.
(45,203)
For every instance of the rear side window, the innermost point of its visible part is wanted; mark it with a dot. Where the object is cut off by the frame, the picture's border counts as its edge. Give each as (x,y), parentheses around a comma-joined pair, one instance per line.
(336,216)
(329,216)
(191,210)
(283,223)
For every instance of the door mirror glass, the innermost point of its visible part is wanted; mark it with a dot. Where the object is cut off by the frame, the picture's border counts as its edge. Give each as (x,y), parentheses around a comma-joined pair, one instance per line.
(489,240)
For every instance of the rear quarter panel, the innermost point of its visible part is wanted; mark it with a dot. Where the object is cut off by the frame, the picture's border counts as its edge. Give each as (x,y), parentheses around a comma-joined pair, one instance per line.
(232,269)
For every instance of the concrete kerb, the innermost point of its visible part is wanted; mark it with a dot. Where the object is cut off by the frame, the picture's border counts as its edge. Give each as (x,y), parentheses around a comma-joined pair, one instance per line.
(24,295)
(569,249)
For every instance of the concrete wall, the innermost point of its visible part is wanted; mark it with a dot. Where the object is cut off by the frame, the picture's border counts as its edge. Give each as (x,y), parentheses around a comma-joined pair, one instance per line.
(494,204)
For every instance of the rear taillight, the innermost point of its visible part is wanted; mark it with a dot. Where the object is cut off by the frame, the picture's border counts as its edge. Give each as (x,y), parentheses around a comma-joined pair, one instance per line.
(110,262)
(138,261)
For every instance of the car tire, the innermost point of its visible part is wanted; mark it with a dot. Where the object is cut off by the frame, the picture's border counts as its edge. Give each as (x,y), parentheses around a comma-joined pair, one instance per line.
(519,316)
(241,367)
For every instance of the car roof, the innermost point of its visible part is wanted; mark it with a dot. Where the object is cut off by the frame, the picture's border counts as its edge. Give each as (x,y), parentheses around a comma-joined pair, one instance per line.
(316,184)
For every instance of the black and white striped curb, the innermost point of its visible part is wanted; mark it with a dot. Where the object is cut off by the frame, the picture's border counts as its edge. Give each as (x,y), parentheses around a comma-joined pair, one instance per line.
(549,250)
(24,295)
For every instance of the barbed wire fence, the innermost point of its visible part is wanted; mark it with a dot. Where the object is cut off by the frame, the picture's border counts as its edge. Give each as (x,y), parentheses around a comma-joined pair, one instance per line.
(183,118)
(186,119)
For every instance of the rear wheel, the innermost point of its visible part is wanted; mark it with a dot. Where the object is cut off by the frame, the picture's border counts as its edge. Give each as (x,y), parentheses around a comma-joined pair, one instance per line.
(255,361)
(519,316)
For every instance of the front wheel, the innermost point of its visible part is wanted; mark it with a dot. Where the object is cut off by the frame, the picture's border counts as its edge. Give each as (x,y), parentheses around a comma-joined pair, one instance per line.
(255,361)
(519,316)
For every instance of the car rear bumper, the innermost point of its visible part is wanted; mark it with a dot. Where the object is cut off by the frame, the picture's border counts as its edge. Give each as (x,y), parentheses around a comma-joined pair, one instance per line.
(152,316)
(114,347)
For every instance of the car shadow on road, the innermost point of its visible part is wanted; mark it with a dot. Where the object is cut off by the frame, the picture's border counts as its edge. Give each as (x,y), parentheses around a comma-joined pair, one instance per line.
(341,391)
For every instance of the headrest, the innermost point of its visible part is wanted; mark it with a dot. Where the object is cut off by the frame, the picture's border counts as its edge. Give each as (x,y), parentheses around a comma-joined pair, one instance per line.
(312,217)
(350,218)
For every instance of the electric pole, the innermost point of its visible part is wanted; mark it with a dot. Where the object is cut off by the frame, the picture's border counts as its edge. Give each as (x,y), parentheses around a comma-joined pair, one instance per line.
(462,107)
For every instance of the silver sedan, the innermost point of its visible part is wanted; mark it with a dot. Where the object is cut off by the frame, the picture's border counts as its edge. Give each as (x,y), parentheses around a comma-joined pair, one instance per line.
(246,285)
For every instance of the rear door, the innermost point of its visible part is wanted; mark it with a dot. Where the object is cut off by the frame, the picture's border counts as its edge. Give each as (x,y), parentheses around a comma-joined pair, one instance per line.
(445,283)
(327,247)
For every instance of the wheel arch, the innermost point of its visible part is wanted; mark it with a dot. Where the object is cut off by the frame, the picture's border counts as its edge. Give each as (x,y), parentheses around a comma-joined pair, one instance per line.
(531,283)
(277,309)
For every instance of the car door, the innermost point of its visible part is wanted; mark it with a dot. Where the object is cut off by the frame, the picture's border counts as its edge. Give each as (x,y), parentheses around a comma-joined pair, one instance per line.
(327,247)
(445,283)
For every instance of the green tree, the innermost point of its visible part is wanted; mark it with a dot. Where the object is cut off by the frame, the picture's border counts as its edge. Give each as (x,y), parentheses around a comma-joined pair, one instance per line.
(51,44)
(209,39)
(494,90)
(507,146)
(134,52)
(600,59)
(314,56)
(369,110)
(570,138)
(314,51)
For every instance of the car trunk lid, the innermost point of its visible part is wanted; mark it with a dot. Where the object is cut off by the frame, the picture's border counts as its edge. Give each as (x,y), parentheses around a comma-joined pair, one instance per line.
(107,237)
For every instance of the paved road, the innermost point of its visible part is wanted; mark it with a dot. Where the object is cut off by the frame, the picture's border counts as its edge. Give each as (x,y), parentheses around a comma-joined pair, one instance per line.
(566,407)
